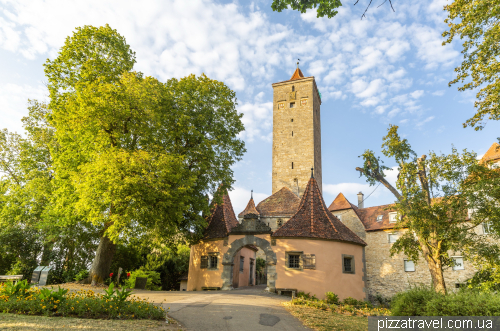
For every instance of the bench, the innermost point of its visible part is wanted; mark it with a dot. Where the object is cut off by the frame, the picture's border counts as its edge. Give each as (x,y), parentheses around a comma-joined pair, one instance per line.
(293,291)
(210,288)
(14,278)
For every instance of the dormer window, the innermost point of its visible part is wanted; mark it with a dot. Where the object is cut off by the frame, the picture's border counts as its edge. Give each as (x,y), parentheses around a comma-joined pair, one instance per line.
(379,218)
(393,217)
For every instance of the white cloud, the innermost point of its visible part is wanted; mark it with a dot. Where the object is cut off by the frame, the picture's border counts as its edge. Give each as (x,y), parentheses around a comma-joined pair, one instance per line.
(417,94)
(438,93)
(240,196)
(428,119)
(257,119)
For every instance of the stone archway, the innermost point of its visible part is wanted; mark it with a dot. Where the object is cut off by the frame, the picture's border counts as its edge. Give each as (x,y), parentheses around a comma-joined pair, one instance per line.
(227,260)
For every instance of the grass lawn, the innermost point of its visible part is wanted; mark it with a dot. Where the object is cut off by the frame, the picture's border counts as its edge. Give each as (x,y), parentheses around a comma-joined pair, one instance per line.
(27,322)
(323,320)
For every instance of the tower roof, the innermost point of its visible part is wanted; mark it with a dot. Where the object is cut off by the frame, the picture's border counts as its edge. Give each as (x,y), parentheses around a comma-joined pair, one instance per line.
(250,209)
(282,203)
(297,74)
(492,154)
(314,220)
(222,218)
(340,203)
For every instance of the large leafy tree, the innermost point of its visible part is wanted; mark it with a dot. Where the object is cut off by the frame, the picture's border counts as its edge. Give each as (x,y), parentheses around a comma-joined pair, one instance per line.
(476,23)
(435,195)
(136,154)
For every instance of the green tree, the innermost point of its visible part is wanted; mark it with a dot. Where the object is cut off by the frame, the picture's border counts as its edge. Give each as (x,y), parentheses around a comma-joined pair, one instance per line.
(477,24)
(136,154)
(435,195)
(325,7)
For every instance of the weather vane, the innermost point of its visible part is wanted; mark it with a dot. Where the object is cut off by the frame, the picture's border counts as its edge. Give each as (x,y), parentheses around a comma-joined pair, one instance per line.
(298,63)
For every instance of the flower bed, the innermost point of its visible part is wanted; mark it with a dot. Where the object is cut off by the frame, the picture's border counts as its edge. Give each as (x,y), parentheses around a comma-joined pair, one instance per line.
(24,299)
(348,307)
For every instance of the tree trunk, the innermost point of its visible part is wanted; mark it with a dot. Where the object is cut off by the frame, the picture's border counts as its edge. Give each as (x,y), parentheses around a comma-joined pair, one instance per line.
(435,268)
(102,261)
(46,253)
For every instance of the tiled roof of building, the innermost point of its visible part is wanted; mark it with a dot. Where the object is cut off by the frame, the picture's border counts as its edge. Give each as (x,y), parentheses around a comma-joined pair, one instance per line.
(297,74)
(222,218)
(368,217)
(249,210)
(282,203)
(314,220)
(492,154)
(340,203)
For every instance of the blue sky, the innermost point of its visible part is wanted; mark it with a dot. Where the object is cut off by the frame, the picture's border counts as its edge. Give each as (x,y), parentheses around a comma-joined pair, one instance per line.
(389,67)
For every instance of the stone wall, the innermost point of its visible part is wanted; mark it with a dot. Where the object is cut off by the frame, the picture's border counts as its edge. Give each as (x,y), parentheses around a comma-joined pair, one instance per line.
(351,220)
(386,275)
(296,135)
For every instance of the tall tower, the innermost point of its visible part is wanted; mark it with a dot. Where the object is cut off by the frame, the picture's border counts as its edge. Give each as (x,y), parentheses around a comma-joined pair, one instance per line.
(296,133)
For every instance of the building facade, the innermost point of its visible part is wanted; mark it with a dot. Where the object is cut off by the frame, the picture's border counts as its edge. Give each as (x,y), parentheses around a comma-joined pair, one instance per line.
(343,248)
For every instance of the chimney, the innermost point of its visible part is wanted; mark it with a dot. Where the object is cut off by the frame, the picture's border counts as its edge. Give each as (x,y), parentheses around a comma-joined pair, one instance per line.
(360,200)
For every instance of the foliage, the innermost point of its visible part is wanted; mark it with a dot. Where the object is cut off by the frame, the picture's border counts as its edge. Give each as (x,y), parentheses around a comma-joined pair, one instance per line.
(47,294)
(116,296)
(434,196)
(20,288)
(260,266)
(83,304)
(153,279)
(332,298)
(359,308)
(477,24)
(421,301)
(325,7)
(81,275)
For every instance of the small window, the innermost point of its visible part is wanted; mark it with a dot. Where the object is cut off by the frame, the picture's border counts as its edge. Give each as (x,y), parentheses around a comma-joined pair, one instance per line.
(409,266)
(280,222)
(309,261)
(393,217)
(487,228)
(292,165)
(393,237)
(292,133)
(292,120)
(379,218)
(294,261)
(204,262)
(459,263)
(347,264)
(213,261)
(339,217)
(242,262)
(293,88)
(292,104)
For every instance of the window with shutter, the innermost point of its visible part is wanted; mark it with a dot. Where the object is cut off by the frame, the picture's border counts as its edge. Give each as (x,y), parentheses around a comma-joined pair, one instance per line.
(309,261)
(204,262)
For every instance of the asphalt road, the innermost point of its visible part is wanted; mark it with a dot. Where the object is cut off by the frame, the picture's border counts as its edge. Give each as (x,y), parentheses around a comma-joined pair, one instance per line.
(249,308)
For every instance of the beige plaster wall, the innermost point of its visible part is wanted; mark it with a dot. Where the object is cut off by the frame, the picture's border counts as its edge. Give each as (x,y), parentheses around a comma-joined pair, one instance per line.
(328,275)
(197,277)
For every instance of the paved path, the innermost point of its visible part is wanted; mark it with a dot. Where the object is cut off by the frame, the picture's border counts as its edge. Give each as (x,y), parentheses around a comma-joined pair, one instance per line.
(249,308)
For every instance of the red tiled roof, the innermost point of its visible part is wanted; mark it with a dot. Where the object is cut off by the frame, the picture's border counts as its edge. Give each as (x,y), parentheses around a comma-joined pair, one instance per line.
(492,154)
(250,209)
(368,217)
(297,74)
(340,203)
(222,218)
(282,203)
(314,220)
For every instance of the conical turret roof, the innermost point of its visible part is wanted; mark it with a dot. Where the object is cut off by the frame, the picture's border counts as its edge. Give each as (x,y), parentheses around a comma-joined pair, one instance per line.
(282,203)
(314,220)
(222,218)
(249,210)
(297,74)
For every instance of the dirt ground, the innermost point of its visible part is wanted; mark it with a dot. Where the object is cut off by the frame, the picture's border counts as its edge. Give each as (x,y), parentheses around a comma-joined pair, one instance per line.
(25,322)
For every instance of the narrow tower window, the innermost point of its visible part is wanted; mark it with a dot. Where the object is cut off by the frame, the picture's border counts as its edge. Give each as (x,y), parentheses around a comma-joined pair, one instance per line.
(292,119)
(293,88)
(292,133)
(292,165)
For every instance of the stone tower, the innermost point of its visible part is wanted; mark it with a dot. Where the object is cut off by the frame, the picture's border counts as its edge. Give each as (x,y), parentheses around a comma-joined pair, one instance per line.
(296,133)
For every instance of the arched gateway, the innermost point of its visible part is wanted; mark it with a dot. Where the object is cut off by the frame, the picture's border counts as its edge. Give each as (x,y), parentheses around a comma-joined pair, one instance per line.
(237,245)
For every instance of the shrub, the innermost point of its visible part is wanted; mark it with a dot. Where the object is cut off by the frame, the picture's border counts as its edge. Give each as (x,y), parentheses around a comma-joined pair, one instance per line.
(153,283)
(332,298)
(83,304)
(81,275)
(11,289)
(303,295)
(422,301)
(352,302)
